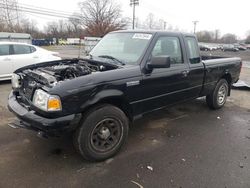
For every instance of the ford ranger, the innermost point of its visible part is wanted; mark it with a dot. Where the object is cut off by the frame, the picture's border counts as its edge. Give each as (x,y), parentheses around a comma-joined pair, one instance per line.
(127,75)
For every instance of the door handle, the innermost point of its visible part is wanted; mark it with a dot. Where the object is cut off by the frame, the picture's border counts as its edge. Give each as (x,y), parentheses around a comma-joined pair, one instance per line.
(185,73)
(35,57)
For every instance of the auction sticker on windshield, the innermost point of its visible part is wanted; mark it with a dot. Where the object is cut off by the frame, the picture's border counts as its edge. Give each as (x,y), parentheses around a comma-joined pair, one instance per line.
(143,36)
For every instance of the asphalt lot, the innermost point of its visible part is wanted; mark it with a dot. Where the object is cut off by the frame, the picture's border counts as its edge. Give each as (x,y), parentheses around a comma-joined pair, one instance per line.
(187,145)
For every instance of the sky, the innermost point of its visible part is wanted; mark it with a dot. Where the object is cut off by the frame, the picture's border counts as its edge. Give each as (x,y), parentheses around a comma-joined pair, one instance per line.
(227,16)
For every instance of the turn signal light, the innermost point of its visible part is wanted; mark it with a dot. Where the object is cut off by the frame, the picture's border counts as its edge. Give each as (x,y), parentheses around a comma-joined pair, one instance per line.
(54,104)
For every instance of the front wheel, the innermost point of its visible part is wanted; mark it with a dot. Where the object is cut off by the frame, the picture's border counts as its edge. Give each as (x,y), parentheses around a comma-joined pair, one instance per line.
(218,97)
(102,133)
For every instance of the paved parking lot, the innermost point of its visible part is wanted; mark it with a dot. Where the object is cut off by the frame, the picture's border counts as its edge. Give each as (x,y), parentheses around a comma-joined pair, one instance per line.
(187,145)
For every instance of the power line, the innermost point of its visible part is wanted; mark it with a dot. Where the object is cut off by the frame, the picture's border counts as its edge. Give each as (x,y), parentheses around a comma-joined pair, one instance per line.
(33,9)
(21,8)
(42,8)
(36,7)
(41,12)
(45,11)
(44,17)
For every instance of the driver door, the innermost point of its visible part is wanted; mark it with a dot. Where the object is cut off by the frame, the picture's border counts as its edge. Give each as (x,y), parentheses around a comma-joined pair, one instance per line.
(165,86)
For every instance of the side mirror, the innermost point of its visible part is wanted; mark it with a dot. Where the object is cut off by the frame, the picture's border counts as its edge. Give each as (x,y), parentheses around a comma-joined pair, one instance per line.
(159,62)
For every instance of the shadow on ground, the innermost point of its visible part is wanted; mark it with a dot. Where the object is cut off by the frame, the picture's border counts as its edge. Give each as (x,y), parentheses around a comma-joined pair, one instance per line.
(184,146)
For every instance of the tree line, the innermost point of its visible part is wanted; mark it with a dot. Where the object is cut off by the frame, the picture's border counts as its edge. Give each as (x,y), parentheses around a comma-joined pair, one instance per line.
(95,18)
(215,37)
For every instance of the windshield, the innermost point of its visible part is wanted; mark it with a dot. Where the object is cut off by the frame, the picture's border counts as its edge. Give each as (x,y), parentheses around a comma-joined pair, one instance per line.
(125,47)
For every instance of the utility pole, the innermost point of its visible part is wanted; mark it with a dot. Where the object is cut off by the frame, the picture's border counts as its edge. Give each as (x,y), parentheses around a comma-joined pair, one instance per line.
(164,25)
(195,23)
(17,13)
(134,3)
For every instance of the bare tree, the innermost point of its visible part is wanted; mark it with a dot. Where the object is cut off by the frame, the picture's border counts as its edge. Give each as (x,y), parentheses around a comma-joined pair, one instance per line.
(247,41)
(101,16)
(52,29)
(2,25)
(9,15)
(76,22)
(28,26)
(69,29)
(229,38)
(150,21)
(205,36)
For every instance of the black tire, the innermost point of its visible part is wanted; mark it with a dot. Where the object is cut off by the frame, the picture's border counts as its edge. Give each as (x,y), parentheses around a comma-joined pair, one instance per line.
(218,97)
(102,133)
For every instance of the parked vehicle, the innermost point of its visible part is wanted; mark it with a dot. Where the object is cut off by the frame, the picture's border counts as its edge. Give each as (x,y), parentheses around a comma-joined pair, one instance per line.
(15,37)
(240,47)
(204,47)
(127,75)
(42,42)
(73,41)
(213,47)
(62,42)
(248,46)
(208,47)
(220,46)
(230,47)
(15,55)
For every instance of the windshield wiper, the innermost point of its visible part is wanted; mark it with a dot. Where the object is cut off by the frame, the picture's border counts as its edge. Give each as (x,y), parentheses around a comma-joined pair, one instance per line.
(112,58)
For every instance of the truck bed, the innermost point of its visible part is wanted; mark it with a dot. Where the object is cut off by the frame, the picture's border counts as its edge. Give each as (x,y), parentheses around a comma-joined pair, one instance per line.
(217,67)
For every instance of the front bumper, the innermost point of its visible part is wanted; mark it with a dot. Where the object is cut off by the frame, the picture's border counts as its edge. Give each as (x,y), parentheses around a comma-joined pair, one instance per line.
(30,120)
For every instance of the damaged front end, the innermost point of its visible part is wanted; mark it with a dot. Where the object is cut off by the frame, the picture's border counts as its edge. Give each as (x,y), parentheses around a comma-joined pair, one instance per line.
(32,102)
(53,73)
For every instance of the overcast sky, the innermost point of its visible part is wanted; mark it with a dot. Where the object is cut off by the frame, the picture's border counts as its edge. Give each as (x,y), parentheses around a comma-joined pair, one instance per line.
(227,16)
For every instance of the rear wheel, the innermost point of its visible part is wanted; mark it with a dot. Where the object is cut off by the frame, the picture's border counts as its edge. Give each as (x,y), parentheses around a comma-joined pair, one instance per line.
(102,133)
(218,97)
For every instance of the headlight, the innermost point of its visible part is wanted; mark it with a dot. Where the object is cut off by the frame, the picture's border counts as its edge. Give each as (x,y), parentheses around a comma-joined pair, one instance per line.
(15,80)
(46,102)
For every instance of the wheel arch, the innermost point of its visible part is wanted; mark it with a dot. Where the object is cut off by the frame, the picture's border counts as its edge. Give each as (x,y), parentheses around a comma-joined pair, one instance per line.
(227,76)
(112,97)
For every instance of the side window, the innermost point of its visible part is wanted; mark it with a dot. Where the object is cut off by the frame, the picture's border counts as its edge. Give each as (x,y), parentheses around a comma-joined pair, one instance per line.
(193,50)
(21,49)
(168,46)
(4,50)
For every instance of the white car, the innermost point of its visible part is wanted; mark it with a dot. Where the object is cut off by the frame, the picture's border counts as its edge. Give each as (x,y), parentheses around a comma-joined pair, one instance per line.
(15,55)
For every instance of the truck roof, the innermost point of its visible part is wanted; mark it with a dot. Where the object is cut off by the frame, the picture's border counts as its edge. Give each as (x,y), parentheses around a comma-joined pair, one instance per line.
(153,32)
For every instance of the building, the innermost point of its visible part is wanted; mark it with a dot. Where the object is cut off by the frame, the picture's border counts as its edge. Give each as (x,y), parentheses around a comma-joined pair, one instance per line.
(16,37)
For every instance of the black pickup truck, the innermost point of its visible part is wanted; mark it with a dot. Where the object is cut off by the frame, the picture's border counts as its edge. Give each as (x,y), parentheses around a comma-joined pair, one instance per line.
(125,76)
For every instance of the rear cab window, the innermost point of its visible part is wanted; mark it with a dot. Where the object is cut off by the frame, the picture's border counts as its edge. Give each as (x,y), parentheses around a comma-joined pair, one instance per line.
(193,50)
(4,49)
